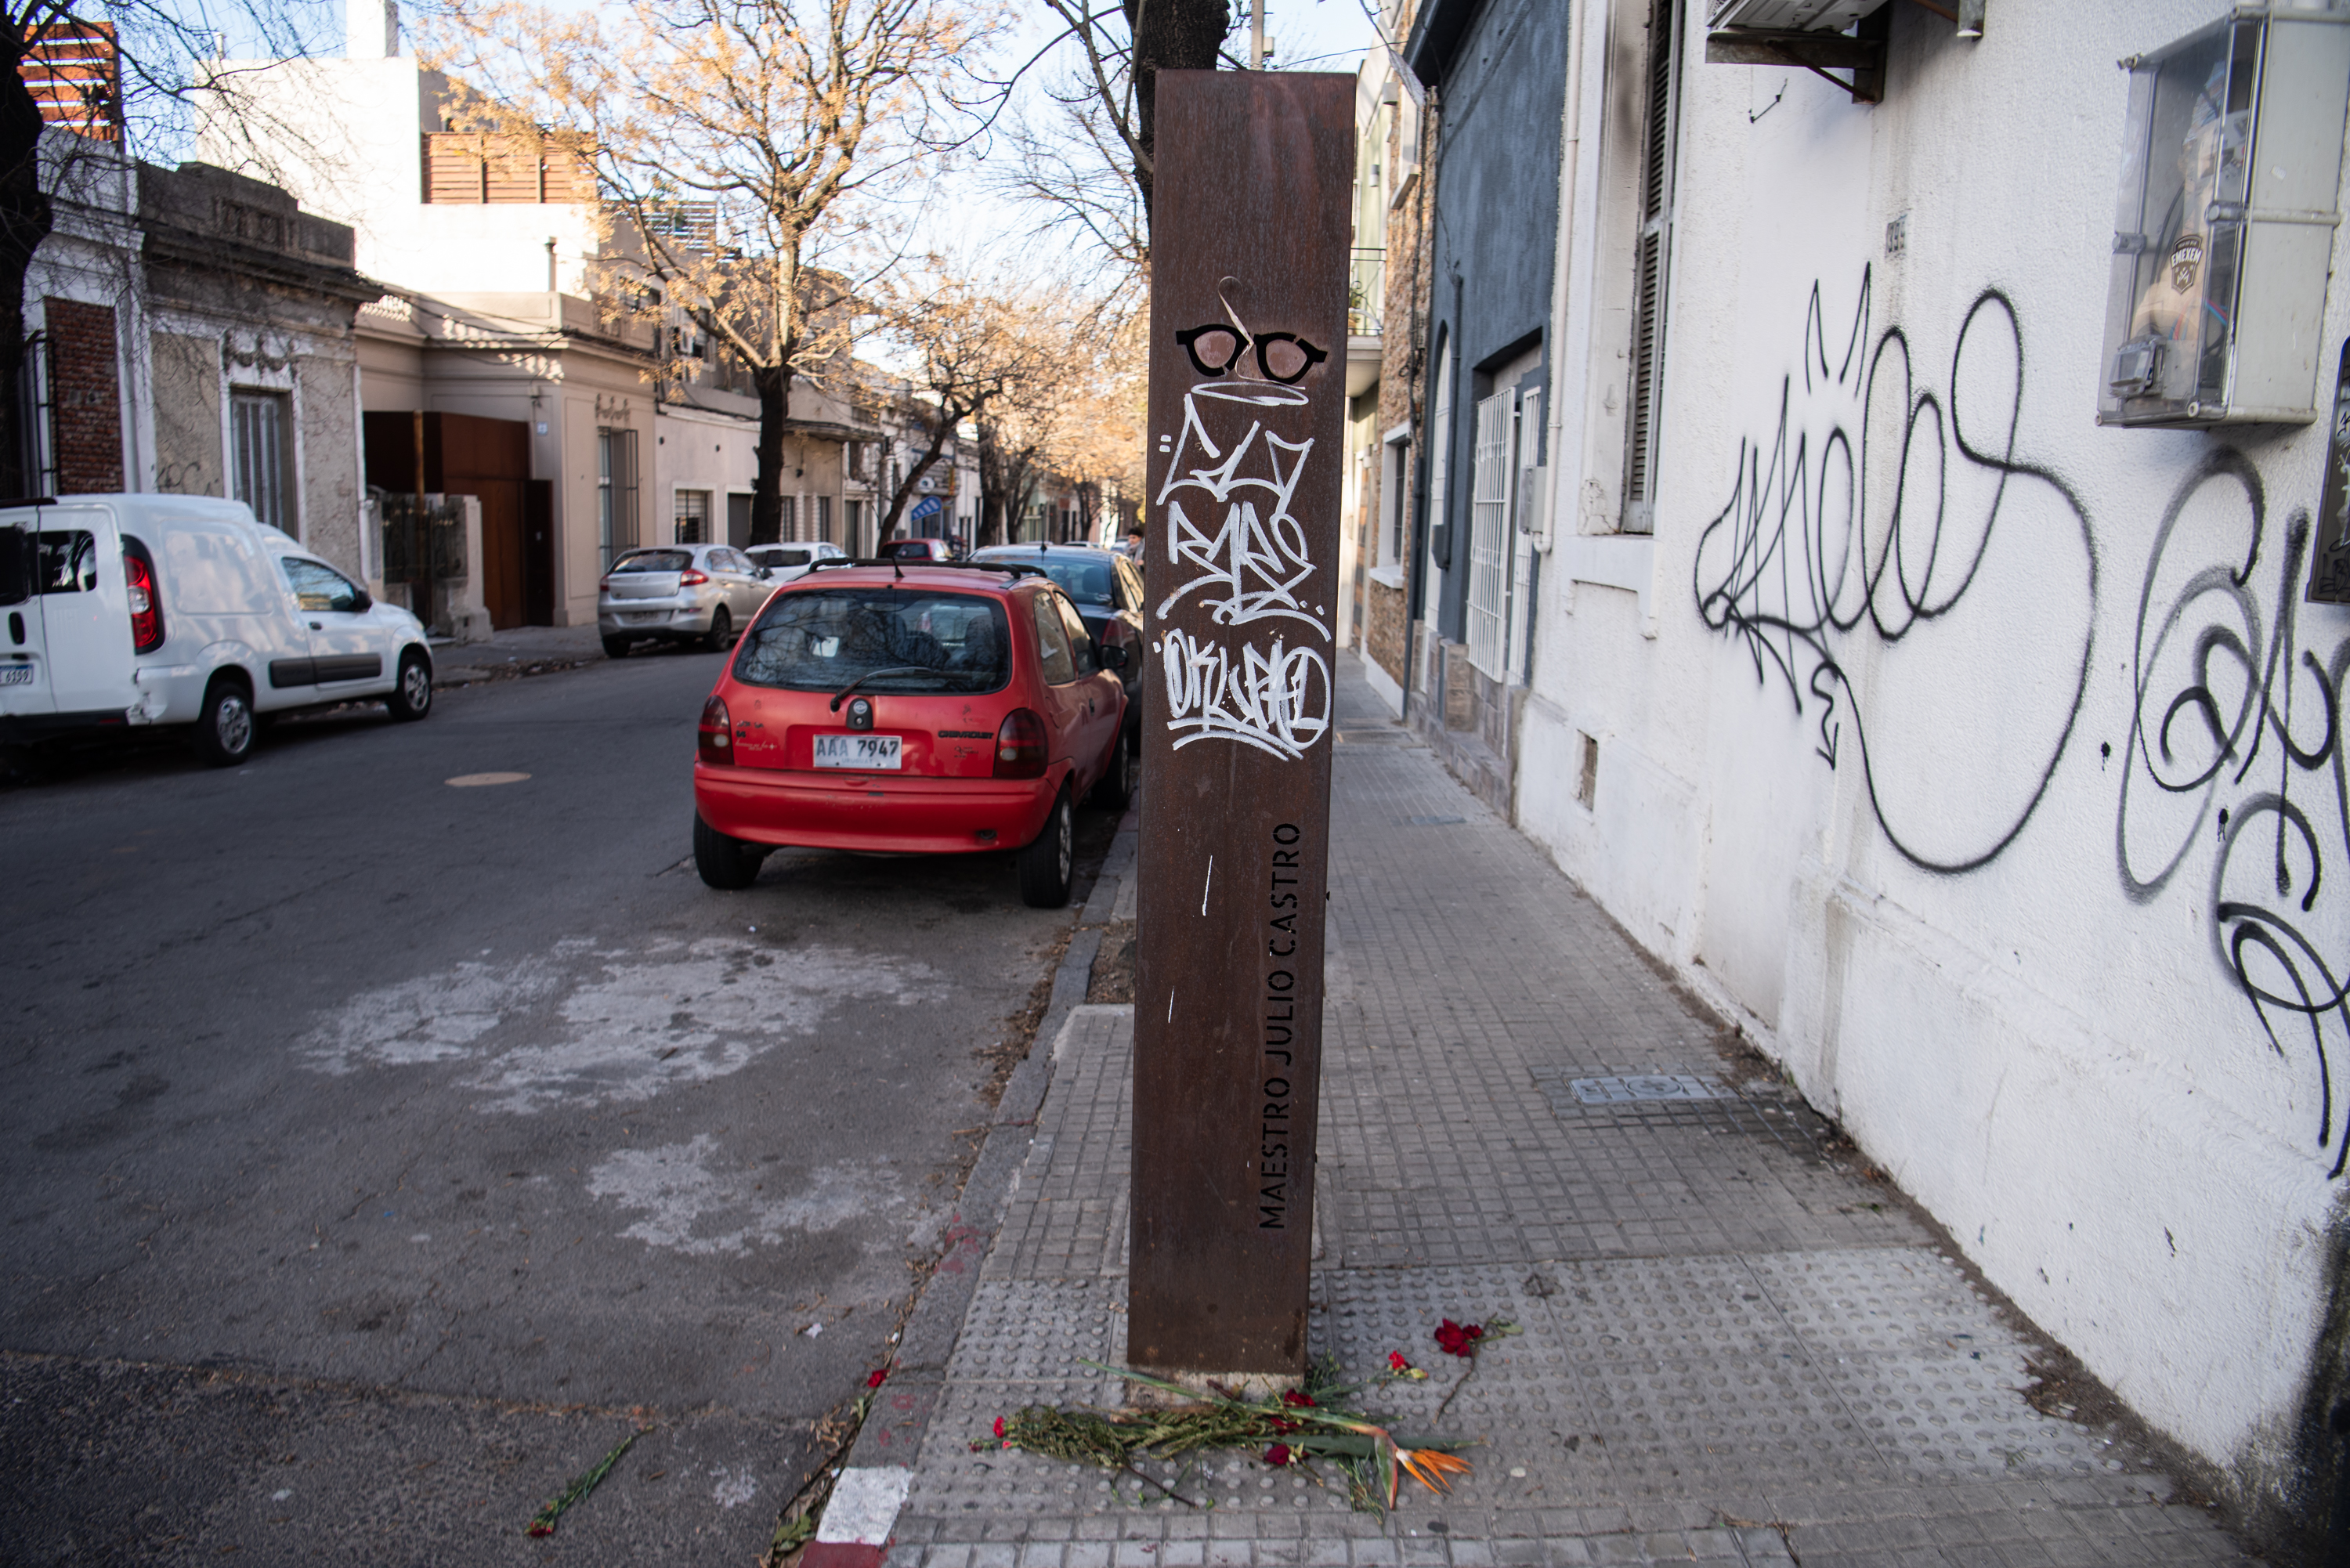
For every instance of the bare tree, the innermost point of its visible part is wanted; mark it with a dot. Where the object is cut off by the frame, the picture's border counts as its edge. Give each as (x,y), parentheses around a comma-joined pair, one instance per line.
(97,77)
(743,144)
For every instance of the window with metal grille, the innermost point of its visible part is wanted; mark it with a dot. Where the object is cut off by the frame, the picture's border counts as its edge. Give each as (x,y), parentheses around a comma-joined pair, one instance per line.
(616,492)
(258,427)
(1489,540)
(788,521)
(691,516)
(1654,260)
(824,518)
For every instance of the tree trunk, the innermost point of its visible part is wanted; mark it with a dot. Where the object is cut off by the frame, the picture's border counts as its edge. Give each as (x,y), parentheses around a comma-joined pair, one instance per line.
(1172,35)
(773,385)
(25,220)
(941,428)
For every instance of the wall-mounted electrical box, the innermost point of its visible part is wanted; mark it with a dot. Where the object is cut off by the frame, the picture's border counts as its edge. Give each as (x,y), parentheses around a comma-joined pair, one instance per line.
(2232,179)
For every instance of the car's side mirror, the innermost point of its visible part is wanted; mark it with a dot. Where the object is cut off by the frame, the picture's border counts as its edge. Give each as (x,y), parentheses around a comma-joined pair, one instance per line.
(362,603)
(1109,656)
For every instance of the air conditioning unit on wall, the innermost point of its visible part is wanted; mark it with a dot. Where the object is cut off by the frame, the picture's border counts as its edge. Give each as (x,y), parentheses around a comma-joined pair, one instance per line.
(1792,15)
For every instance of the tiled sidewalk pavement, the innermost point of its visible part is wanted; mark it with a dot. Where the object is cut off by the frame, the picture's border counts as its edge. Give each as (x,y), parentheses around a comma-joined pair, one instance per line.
(1735,1351)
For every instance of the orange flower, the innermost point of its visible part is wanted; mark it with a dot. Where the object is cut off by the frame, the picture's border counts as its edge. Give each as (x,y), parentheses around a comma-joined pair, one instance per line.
(1432,1468)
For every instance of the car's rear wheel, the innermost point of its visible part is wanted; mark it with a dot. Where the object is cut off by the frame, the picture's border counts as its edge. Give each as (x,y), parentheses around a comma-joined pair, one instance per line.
(724,861)
(1115,789)
(225,728)
(721,631)
(1045,864)
(411,696)
(615,648)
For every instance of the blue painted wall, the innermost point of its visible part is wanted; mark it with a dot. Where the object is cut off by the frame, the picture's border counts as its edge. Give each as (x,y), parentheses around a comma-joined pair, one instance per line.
(1501,66)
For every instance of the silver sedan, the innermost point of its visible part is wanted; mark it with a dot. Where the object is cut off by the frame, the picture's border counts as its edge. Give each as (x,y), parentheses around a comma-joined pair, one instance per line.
(678,592)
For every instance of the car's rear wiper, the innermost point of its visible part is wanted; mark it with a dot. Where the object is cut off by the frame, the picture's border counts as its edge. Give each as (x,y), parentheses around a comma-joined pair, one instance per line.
(842,695)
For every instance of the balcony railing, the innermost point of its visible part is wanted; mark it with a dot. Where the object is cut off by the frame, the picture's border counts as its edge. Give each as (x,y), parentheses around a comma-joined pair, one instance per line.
(1366,291)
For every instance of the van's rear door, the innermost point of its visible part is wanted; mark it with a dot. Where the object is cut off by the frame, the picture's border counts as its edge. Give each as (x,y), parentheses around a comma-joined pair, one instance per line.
(85,610)
(24,659)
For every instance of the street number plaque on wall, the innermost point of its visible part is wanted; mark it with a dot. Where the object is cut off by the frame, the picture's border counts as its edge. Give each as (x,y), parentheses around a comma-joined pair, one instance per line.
(1250,230)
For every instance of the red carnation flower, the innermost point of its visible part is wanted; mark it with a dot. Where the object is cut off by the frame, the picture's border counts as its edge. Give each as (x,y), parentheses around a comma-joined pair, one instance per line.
(1458,1338)
(998,1426)
(874,1381)
(1294,1397)
(1278,1455)
(1396,1363)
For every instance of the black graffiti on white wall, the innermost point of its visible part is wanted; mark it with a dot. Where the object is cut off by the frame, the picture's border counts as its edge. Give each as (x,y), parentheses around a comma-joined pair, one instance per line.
(1846,527)
(2235,730)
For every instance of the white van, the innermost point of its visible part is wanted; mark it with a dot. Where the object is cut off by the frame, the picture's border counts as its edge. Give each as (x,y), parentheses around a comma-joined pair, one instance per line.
(120,611)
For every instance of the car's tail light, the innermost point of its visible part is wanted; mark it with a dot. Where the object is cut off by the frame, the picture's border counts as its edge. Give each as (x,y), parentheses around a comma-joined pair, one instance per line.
(146,605)
(1021,750)
(717,742)
(604,585)
(690,579)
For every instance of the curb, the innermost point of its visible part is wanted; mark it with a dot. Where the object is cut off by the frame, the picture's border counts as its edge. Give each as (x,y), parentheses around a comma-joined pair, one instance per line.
(855,1530)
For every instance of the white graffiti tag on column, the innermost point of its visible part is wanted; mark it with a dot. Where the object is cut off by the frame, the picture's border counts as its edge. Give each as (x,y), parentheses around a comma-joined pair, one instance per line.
(1246,568)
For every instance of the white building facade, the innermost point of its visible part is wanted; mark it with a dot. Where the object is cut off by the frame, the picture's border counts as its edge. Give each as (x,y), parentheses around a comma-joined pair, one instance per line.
(1981,760)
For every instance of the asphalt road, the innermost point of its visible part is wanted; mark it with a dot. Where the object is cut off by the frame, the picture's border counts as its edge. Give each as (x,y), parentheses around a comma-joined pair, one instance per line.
(377,1154)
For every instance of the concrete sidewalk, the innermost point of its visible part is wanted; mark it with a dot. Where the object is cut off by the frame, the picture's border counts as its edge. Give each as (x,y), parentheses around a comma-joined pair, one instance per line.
(1737,1348)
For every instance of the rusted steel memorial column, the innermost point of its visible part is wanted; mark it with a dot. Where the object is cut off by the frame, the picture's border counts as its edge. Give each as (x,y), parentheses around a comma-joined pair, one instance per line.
(1248,369)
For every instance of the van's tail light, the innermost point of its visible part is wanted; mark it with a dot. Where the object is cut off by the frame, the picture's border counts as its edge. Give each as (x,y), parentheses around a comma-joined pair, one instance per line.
(1021,750)
(717,742)
(690,579)
(146,605)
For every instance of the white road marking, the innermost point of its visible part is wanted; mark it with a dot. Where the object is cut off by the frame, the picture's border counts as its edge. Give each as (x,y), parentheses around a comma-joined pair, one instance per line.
(865,1504)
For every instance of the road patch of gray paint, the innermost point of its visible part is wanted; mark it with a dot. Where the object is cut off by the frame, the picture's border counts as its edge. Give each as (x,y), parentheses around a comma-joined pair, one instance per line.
(693,1204)
(626,1025)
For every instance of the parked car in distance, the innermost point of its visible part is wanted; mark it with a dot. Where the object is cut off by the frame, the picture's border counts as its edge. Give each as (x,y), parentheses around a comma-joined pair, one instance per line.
(919,550)
(133,611)
(783,563)
(921,709)
(1107,591)
(678,592)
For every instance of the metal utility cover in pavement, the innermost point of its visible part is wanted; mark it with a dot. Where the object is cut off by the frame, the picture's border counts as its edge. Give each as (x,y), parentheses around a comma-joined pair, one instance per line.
(1651,1087)
(1248,323)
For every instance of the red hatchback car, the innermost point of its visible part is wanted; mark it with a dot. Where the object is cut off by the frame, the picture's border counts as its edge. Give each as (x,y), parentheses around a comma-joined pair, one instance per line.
(911,708)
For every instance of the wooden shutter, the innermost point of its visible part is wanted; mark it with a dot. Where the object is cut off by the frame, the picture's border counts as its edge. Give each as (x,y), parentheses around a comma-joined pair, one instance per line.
(1654,259)
(454,167)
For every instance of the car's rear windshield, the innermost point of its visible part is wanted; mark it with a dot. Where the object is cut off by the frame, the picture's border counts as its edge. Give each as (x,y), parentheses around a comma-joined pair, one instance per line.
(1087,582)
(784,558)
(886,639)
(655,561)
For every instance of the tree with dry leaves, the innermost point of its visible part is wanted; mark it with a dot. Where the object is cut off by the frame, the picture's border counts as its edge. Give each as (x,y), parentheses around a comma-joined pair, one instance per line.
(96,76)
(1077,423)
(745,146)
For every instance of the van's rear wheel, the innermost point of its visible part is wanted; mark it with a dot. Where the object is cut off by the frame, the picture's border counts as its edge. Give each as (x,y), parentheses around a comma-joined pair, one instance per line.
(1045,864)
(411,695)
(724,861)
(224,727)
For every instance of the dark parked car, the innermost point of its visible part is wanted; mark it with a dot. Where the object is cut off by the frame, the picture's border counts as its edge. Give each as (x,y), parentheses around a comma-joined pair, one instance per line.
(917,550)
(1109,594)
